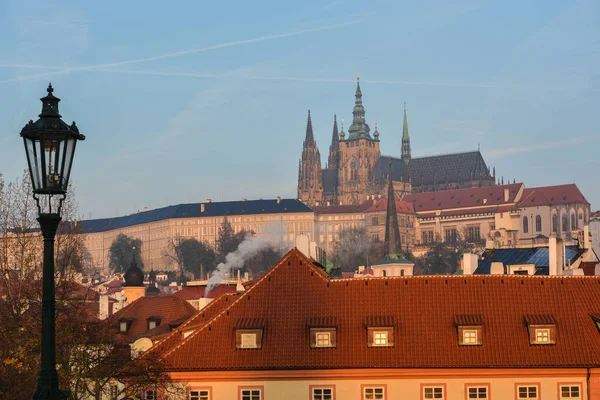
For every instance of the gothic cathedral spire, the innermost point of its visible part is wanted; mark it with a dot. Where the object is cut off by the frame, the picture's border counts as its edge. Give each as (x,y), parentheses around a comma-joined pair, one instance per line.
(393,246)
(405,140)
(310,180)
(334,148)
(359,128)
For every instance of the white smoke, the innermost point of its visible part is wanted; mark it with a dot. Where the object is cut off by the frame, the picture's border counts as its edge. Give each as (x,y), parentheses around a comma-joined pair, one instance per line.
(270,237)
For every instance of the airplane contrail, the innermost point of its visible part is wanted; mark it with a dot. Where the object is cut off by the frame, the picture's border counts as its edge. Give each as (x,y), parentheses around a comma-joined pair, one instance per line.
(67,70)
(293,79)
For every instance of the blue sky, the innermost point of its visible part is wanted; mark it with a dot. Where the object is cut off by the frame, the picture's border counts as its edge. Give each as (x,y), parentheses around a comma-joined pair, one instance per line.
(184,101)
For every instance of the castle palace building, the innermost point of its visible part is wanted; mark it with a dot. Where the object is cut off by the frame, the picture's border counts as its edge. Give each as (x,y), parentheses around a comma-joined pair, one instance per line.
(356,171)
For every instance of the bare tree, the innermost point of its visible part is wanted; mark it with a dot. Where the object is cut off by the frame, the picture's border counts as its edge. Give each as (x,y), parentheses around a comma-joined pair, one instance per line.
(354,248)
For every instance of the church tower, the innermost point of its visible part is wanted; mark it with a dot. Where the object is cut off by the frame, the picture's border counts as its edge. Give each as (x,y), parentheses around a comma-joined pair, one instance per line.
(359,152)
(393,244)
(405,140)
(334,149)
(310,181)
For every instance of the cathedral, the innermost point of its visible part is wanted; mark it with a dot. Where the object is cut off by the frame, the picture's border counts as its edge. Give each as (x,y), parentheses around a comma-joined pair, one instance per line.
(356,171)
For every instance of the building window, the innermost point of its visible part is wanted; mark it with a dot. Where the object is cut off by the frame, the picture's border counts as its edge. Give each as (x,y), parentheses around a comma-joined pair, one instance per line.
(555,223)
(322,394)
(114,392)
(469,336)
(570,392)
(450,235)
(573,222)
(322,337)
(473,233)
(427,237)
(492,226)
(251,394)
(565,223)
(477,392)
(433,392)
(538,223)
(380,336)
(373,393)
(151,324)
(199,395)
(375,237)
(525,225)
(122,326)
(527,392)
(542,335)
(374,220)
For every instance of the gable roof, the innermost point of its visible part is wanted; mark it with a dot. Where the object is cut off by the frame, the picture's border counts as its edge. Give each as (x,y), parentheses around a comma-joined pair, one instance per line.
(172,309)
(552,195)
(193,210)
(487,196)
(402,207)
(423,308)
(539,256)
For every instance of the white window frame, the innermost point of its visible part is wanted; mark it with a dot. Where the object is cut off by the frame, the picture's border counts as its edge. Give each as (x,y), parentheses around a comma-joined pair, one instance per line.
(199,394)
(570,394)
(470,337)
(477,392)
(380,338)
(151,324)
(324,337)
(543,334)
(527,392)
(246,342)
(321,393)
(123,326)
(374,393)
(433,392)
(250,394)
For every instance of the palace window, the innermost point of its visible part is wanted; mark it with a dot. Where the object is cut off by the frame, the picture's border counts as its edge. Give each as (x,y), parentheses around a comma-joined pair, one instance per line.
(199,395)
(322,394)
(427,237)
(450,235)
(570,392)
(565,223)
(375,237)
(477,392)
(538,223)
(525,225)
(573,221)
(527,392)
(473,233)
(251,394)
(374,221)
(373,393)
(555,223)
(436,392)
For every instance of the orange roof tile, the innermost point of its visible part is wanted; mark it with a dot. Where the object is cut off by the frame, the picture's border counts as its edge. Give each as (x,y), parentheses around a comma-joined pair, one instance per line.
(424,309)
(552,195)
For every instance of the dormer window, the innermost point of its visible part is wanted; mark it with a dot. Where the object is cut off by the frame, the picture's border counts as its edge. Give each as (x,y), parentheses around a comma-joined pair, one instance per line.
(542,329)
(380,331)
(124,324)
(153,322)
(470,329)
(249,333)
(323,332)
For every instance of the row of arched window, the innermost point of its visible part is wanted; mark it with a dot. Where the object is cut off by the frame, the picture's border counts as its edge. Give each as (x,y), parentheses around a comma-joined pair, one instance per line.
(538,224)
(556,223)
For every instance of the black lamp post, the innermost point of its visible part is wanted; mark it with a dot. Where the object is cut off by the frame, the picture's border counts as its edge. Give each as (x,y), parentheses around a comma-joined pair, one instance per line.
(50,147)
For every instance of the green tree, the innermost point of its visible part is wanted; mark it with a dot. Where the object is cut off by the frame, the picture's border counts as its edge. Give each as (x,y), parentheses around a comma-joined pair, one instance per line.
(228,241)
(121,253)
(191,256)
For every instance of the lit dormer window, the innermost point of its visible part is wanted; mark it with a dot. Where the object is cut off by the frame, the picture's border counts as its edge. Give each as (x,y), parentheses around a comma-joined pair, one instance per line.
(542,329)
(380,331)
(248,333)
(124,324)
(153,322)
(323,332)
(470,329)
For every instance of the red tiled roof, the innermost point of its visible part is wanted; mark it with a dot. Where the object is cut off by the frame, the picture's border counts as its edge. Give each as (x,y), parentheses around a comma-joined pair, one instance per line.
(540,319)
(197,292)
(468,319)
(170,308)
(459,198)
(552,195)
(401,207)
(343,209)
(424,309)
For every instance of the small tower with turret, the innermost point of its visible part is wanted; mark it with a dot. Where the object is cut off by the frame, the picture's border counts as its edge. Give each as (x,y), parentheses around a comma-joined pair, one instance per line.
(133,288)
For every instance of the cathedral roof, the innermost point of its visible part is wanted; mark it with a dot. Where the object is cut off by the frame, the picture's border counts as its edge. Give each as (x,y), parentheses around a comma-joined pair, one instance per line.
(457,167)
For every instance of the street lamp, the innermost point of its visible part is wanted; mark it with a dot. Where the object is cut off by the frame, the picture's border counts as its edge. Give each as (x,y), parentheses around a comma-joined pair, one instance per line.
(50,147)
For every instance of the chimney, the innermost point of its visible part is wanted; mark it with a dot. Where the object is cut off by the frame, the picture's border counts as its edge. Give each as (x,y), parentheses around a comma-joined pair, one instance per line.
(484,201)
(244,199)
(103,307)
(490,244)
(361,269)
(586,237)
(278,199)
(246,276)
(469,263)
(556,256)
(201,207)
(497,268)
(506,195)
(145,209)
(328,204)
(209,200)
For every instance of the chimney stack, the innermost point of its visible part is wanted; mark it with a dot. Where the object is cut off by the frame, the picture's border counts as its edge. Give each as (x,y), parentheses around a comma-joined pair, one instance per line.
(201,207)
(497,268)
(586,237)
(556,256)
(506,195)
(470,263)
(278,199)
(209,200)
